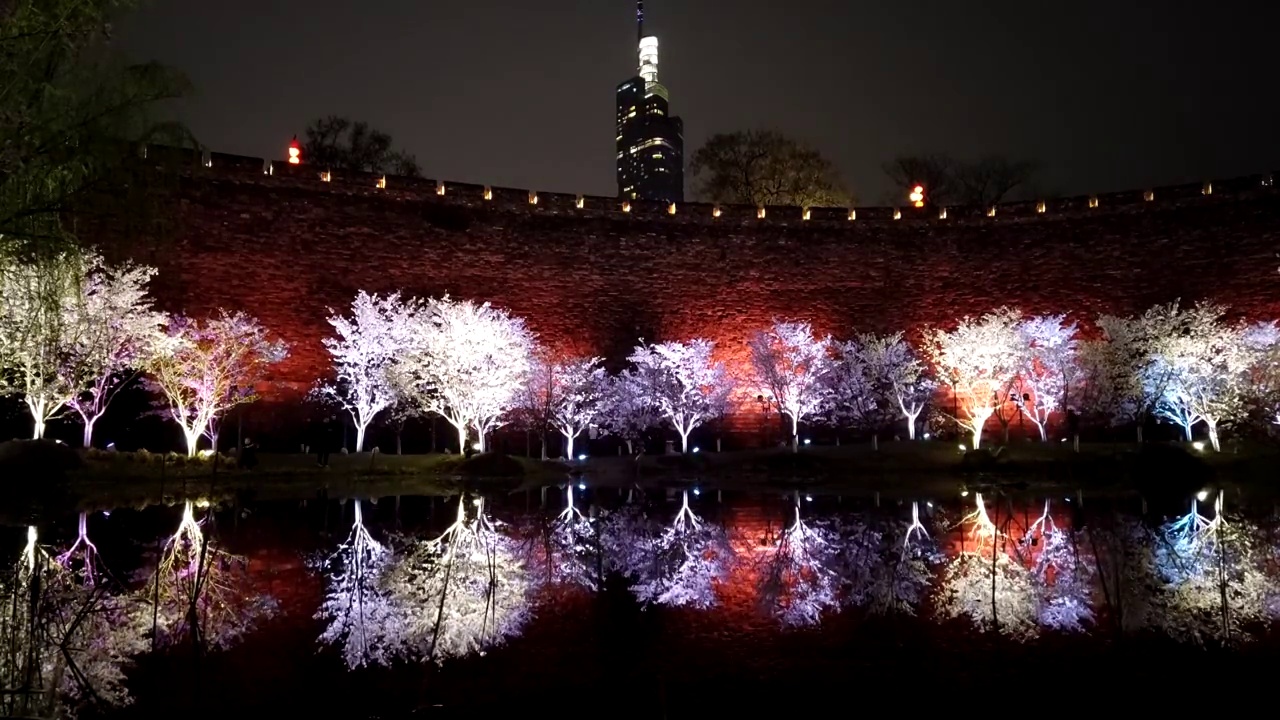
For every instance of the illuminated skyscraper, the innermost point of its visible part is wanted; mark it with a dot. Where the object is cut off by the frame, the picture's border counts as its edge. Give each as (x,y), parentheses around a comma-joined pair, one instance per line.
(650,140)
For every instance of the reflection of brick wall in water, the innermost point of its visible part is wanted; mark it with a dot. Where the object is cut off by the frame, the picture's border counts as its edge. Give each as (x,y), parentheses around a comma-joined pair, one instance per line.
(287,246)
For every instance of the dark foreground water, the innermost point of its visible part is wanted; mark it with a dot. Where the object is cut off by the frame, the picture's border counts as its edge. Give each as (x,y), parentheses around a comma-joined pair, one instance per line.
(1091,604)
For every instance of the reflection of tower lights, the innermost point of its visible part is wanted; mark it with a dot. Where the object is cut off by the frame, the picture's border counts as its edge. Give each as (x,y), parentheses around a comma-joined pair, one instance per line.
(917,196)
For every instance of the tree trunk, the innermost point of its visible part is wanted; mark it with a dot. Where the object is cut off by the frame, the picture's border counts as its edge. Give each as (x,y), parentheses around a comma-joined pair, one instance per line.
(717,444)
(1139,431)
(1213,435)
(1186,431)
(88,432)
(795,434)
(875,441)
(568,446)
(193,438)
(911,426)
(684,440)
(462,439)
(630,451)
(542,439)
(399,437)
(360,428)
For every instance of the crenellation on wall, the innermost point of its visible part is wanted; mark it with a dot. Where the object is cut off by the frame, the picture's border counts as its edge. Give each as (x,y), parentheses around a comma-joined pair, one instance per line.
(518,199)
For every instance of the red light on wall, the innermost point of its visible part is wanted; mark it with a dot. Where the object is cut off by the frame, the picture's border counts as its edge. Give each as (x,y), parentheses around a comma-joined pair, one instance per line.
(917,196)
(295,152)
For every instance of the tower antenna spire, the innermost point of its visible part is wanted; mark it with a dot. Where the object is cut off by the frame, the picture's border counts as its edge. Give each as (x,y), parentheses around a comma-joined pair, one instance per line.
(639,20)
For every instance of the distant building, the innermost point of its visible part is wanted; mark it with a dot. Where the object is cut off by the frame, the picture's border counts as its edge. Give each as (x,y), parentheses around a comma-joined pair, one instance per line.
(650,140)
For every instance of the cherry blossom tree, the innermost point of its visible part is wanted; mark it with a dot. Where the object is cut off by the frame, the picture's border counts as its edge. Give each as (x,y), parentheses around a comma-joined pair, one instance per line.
(461,593)
(533,403)
(789,365)
(210,366)
(368,342)
(467,364)
(40,307)
(896,376)
(358,611)
(628,412)
(850,399)
(580,390)
(570,555)
(1262,378)
(682,565)
(1201,363)
(978,360)
(682,381)
(118,334)
(1049,367)
(799,581)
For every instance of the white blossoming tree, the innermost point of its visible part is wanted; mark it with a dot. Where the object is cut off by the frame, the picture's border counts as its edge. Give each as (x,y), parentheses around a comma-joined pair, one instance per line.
(459,594)
(799,581)
(1049,367)
(579,391)
(1262,342)
(569,554)
(533,402)
(628,412)
(209,366)
(40,307)
(357,609)
(118,335)
(789,366)
(1201,363)
(684,383)
(1064,579)
(977,360)
(850,399)
(368,342)
(897,378)
(467,364)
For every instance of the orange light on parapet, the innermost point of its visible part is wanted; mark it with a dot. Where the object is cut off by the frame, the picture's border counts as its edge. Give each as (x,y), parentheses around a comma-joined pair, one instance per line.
(295,151)
(917,196)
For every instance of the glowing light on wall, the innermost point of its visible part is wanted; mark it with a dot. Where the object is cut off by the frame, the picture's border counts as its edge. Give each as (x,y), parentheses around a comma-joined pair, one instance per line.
(326,176)
(671,209)
(440,187)
(1093,202)
(533,197)
(626,207)
(917,196)
(1207,189)
(1040,206)
(805,215)
(942,214)
(1149,195)
(760,213)
(853,215)
(715,212)
(295,151)
(580,202)
(382,183)
(991,211)
(897,214)
(488,193)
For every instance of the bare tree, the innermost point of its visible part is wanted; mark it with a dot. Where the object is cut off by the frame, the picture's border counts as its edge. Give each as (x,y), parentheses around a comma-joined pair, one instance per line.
(342,144)
(765,167)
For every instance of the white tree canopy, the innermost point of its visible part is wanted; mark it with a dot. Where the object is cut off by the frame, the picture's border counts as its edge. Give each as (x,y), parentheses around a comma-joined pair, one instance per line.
(978,360)
(627,411)
(684,383)
(368,342)
(789,365)
(579,390)
(1200,363)
(895,376)
(1049,367)
(466,364)
(209,366)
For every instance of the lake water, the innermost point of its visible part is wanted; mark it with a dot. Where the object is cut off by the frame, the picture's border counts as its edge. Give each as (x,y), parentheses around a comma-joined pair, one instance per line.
(671,602)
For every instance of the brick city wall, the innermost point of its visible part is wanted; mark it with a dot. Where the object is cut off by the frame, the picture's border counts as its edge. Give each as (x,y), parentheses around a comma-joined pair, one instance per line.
(592,275)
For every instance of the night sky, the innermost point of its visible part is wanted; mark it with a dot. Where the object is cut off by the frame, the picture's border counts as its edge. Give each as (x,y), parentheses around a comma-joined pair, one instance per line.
(1106,94)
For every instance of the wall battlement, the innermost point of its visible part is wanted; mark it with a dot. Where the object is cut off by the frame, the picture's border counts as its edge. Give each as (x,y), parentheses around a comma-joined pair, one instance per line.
(537,202)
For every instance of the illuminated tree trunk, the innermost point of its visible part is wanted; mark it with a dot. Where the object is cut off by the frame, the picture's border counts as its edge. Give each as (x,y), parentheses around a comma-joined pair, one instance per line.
(40,413)
(192,436)
(1186,431)
(568,445)
(360,431)
(462,437)
(1213,434)
(795,433)
(911,422)
(684,438)
(88,432)
(977,420)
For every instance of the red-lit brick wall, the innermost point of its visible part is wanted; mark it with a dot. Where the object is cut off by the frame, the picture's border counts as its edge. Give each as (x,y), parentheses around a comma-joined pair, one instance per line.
(285,247)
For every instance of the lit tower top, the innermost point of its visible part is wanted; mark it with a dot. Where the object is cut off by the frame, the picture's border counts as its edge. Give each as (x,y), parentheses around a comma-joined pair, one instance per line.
(648,56)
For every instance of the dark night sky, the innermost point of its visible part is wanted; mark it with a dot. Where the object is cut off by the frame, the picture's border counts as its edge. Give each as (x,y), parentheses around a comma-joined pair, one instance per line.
(1106,94)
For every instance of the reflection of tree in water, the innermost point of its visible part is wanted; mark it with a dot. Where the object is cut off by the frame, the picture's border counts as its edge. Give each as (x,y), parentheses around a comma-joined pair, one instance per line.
(886,566)
(65,639)
(458,594)
(358,610)
(202,594)
(679,565)
(798,581)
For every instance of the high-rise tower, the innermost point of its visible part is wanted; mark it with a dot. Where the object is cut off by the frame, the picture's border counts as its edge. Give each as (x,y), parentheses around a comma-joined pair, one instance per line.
(650,140)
